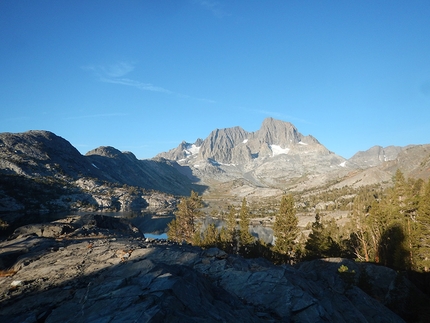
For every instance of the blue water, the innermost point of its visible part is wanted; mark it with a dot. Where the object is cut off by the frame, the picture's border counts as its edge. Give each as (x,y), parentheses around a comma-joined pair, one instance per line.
(156,236)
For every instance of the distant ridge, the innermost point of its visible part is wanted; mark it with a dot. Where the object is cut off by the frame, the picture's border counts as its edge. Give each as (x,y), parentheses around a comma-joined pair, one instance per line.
(277,157)
(223,145)
(229,162)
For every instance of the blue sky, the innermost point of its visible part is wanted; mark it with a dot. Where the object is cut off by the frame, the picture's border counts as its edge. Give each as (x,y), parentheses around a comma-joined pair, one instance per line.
(142,76)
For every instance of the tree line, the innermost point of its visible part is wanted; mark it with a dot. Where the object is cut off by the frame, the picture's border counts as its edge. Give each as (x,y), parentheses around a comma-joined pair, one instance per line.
(389,226)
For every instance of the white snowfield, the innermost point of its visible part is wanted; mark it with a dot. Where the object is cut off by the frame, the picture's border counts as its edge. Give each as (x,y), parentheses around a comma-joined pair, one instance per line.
(192,150)
(278,150)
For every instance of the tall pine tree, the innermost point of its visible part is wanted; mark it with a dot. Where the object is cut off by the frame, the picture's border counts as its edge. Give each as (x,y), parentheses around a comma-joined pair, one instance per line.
(228,234)
(184,227)
(245,238)
(320,243)
(285,228)
(422,238)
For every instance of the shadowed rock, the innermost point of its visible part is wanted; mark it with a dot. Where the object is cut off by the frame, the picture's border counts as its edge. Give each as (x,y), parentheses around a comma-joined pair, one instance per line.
(103,270)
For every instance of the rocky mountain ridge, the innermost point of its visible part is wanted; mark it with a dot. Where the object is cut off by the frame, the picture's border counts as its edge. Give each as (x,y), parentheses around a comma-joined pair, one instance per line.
(375,156)
(229,162)
(237,146)
(271,157)
(42,172)
(278,157)
(44,154)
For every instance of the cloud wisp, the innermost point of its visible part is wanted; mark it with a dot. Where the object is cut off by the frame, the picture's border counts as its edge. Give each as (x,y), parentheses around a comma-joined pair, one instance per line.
(118,70)
(136,84)
(114,74)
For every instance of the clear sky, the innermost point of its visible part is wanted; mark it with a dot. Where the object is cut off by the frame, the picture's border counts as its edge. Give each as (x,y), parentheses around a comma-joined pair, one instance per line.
(142,76)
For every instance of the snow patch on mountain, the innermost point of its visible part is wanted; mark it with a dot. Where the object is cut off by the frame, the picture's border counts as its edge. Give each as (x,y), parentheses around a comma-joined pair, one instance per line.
(278,150)
(303,143)
(192,149)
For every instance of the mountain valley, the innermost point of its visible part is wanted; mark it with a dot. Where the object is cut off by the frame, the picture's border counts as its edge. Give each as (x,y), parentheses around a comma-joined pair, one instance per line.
(92,257)
(228,165)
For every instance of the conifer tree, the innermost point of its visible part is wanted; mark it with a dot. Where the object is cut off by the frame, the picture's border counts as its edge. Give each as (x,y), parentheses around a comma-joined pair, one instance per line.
(313,246)
(228,234)
(378,221)
(285,228)
(245,238)
(320,243)
(395,219)
(422,238)
(173,232)
(360,235)
(210,236)
(405,211)
(184,227)
(400,191)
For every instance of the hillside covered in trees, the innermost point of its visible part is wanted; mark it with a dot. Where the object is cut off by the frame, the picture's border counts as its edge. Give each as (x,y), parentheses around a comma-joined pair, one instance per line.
(389,226)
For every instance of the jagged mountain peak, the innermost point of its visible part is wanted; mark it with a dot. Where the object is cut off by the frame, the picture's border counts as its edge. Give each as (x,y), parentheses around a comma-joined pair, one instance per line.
(220,142)
(269,157)
(277,132)
(237,146)
(183,151)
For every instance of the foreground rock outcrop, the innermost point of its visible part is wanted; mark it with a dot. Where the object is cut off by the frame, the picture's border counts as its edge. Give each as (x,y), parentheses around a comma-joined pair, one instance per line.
(100,269)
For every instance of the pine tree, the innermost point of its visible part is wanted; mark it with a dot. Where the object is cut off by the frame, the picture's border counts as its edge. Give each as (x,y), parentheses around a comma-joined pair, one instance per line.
(231,224)
(422,239)
(360,239)
(211,236)
(314,242)
(396,217)
(379,221)
(320,243)
(173,232)
(245,238)
(406,211)
(184,227)
(228,234)
(285,228)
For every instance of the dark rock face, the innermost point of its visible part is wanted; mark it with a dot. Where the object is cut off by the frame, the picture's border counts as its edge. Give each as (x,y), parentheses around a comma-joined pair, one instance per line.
(41,153)
(38,154)
(42,172)
(103,270)
(125,168)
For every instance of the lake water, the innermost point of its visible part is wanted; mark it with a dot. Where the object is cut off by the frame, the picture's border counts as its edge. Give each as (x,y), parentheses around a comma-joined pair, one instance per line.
(162,236)
(153,226)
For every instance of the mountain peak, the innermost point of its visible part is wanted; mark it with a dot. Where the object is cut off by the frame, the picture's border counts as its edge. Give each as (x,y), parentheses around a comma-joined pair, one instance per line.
(220,142)
(106,151)
(277,132)
(236,146)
